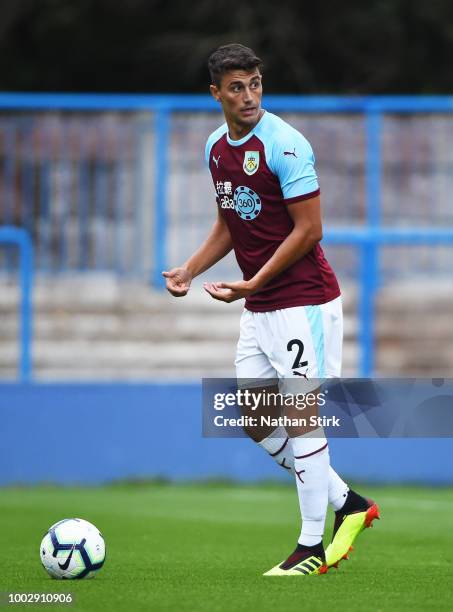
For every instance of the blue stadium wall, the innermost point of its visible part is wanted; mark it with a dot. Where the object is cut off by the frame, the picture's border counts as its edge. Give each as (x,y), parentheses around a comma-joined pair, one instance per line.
(95,433)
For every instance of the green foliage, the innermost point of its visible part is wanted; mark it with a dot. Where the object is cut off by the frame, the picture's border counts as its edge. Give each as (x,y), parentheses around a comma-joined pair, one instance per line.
(351,47)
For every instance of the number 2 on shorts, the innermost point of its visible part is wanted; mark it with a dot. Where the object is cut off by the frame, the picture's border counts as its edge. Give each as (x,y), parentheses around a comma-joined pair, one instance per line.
(297,362)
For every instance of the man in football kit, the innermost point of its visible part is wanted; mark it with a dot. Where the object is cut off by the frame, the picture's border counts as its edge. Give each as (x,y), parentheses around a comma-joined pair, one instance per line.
(268,202)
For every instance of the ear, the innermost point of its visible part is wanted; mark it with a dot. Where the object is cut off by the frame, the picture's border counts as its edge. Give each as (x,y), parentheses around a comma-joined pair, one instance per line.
(214,92)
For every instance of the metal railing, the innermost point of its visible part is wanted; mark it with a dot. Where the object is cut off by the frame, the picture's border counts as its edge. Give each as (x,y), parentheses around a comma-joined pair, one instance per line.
(153,206)
(367,241)
(20,238)
(104,195)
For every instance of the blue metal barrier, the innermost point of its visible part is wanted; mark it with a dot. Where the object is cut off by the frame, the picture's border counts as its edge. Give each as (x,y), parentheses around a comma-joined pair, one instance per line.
(367,239)
(20,238)
(162,107)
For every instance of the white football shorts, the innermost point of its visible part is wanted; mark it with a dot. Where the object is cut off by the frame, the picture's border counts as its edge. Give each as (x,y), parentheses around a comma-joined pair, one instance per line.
(304,341)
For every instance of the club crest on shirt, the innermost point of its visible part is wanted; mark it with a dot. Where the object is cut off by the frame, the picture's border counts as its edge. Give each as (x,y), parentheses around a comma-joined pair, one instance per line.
(251,162)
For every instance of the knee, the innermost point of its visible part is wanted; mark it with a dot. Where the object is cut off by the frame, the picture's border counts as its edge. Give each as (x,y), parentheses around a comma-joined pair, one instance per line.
(254,433)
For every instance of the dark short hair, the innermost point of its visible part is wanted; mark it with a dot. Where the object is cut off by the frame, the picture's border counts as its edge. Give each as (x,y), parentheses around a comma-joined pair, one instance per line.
(231,57)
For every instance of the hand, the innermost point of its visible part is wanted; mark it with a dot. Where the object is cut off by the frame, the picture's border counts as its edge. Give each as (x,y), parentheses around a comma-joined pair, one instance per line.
(178,281)
(230,292)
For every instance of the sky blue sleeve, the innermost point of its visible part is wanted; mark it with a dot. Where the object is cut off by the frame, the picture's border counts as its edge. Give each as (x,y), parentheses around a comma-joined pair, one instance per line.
(213,138)
(207,150)
(293,162)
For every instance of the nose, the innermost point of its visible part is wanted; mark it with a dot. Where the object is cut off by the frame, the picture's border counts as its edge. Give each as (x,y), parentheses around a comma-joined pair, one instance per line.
(247,94)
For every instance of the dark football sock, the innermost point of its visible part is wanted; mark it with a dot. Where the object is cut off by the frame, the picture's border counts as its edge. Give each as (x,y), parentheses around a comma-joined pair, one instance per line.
(317,549)
(354,503)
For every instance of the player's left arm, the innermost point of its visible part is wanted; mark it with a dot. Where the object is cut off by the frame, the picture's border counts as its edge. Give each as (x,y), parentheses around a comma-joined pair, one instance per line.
(307,231)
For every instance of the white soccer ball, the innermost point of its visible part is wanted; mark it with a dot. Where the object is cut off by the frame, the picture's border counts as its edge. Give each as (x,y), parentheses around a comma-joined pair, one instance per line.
(72,548)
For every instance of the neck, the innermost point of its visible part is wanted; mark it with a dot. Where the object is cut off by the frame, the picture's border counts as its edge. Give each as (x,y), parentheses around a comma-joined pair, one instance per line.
(238,131)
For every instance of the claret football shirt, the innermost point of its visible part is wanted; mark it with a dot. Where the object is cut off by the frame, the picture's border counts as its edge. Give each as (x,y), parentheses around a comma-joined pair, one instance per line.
(255,179)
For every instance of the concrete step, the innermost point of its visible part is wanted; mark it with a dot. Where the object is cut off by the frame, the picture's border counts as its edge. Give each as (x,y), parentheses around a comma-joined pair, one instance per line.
(159,355)
(129,354)
(424,297)
(63,326)
(113,326)
(77,373)
(416,327)
(104,329)
(90,294)
(413,361)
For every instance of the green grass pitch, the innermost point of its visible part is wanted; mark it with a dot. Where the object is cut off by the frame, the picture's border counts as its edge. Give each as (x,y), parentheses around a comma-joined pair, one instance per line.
(205,547)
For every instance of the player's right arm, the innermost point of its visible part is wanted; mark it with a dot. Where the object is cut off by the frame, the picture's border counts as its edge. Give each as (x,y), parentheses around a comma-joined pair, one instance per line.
(216,246)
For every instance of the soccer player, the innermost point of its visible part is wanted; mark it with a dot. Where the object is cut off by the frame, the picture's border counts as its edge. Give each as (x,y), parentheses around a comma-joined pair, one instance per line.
(269,212)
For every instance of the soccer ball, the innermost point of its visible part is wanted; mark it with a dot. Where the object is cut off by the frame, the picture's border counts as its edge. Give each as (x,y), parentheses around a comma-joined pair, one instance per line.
(72,548)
